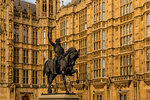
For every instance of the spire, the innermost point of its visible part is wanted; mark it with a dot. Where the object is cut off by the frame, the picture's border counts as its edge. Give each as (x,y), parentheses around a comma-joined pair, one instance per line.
(29,9)
(62,3)
(19,4)
(72,1)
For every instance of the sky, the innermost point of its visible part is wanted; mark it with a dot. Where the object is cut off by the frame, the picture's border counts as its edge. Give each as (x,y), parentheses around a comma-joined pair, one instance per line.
(65,1)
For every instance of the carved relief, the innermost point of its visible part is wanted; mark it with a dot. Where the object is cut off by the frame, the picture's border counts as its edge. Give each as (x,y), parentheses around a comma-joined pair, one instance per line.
(100,82)
(147,78)
(122,81)
(79,86)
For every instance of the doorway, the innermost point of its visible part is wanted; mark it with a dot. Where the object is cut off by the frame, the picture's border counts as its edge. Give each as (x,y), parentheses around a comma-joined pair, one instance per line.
(25,97)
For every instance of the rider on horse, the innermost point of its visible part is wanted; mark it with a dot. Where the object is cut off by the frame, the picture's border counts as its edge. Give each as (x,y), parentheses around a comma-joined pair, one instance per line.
(59,53)
(61,64)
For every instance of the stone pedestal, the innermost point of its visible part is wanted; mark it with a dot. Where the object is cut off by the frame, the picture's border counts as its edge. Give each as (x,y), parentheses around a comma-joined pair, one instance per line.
(58,97)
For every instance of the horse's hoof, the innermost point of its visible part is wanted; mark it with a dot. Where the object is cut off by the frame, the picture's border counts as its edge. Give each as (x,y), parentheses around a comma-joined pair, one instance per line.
(49,91)
(77,81)
(67,92)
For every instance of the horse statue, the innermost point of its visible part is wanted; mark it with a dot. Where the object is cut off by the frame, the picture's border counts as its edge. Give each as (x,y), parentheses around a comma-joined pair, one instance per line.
(65,68)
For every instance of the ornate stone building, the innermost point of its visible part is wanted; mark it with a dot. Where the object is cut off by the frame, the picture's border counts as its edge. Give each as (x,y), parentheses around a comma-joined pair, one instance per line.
(113,37)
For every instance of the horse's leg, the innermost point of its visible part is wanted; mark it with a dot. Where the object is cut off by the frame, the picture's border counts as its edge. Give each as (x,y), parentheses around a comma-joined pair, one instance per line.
(49,87)
(76,71)
(77,75)
(52,78)
(64,80)
(50,82)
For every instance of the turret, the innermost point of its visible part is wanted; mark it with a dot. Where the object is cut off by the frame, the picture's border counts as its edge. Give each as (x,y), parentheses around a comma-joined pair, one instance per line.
(44,8)
(58,5)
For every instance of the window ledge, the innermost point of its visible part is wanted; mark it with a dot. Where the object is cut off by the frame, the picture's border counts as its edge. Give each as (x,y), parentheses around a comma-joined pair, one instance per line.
(120,81)
(43,86)
(35,86)
(125,47)
(17,85)
(126,14)
(26,85)
(147,78)
(99,82)
(79,86)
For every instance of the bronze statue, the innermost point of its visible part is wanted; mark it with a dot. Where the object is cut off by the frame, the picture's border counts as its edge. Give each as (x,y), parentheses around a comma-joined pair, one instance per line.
(61,64)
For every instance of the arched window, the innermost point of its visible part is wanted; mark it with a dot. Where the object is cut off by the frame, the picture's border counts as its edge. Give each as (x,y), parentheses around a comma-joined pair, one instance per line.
(44,7)
(148,60)
(148,51)
(103,67)
(103,39)
(148,23)
(50,8)
(44,37)
(4,1)
(123,96)
(44,57)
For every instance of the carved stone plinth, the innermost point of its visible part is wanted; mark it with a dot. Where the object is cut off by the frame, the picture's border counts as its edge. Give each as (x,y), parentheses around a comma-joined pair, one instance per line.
(59,97)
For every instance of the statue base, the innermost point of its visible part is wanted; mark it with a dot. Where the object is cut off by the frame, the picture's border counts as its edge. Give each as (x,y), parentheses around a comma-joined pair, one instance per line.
(59,96)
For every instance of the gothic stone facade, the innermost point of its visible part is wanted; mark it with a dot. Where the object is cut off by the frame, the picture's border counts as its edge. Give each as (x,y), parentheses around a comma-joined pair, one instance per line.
(113,37)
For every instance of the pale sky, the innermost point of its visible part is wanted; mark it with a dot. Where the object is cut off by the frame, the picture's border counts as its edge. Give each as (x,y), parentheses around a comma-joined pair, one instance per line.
(65,1)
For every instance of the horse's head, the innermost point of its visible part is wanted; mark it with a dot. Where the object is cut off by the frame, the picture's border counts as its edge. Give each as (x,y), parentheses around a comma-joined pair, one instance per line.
(73,55)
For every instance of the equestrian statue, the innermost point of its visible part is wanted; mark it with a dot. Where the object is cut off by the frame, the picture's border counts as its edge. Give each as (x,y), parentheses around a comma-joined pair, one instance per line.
(62,63)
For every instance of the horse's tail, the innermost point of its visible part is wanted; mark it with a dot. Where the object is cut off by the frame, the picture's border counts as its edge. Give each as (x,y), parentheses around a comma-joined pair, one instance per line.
(44,68)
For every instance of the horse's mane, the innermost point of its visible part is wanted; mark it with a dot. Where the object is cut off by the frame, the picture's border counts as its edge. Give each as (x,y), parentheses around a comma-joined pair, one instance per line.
(71,50)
